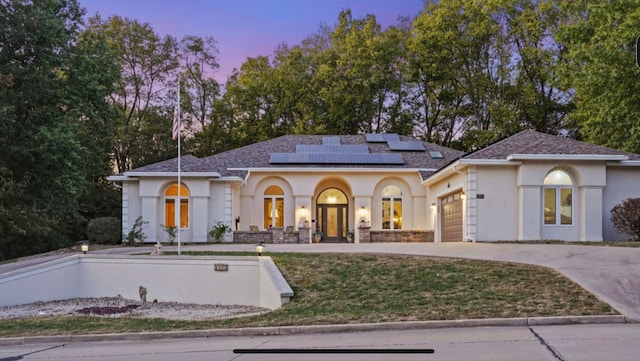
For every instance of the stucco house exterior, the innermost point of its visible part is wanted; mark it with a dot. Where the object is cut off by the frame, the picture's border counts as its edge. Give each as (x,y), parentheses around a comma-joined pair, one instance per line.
(385,187)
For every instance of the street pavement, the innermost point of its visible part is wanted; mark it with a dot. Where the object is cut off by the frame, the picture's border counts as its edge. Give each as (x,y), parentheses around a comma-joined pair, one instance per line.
(620,342)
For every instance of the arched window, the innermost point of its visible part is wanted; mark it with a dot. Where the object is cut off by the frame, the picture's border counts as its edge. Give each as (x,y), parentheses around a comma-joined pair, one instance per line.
(558,199)
(273,207)
(170,200)
(391,208)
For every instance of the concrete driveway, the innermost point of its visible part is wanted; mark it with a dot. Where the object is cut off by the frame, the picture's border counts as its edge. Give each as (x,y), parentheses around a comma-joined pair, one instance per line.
(611,273)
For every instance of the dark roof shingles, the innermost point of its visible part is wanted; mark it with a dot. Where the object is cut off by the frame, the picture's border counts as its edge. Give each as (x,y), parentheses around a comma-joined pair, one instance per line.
(533,142)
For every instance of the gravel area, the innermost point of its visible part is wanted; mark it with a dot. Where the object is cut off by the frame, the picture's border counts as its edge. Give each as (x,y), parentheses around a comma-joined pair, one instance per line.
(121,307)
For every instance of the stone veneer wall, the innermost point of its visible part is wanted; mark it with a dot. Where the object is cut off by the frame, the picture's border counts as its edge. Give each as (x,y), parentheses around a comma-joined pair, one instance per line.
(275,236)
(366,236)
(407,236)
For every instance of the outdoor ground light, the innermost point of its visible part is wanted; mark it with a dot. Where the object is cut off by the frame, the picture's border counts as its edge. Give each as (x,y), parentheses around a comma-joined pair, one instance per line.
(260,249)
(84,248)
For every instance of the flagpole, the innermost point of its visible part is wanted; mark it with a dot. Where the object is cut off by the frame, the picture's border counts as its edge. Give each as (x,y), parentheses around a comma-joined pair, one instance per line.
(179,180)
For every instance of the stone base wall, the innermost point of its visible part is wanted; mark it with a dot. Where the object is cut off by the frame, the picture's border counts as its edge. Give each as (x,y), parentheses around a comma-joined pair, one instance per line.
(252,237)
(401,235)
(366,236)
(275,236)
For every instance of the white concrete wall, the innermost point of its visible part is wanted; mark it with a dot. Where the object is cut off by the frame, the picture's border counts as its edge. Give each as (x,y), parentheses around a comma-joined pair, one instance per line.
(248,281)
(622,183)
(497,218)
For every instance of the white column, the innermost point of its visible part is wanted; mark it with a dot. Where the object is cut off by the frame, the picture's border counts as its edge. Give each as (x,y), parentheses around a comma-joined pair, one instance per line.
(529,213)
(590,211)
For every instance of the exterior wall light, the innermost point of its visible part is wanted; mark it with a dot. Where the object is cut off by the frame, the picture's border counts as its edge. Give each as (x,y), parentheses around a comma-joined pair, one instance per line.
(303,212)
(363,212)
(260,249)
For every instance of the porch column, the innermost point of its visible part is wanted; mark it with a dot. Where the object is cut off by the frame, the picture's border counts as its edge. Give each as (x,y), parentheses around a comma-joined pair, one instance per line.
(590,221)
(362,218)
(529,213)
(149,214)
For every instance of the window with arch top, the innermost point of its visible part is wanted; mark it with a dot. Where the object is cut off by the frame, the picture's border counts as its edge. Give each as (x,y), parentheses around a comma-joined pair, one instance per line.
(273,207)
(171,198)
(391,208)
(558,198)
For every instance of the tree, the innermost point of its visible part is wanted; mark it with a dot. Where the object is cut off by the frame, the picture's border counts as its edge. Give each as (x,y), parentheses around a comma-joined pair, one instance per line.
(48,157)
(598,66)
(199,62)
(148,66)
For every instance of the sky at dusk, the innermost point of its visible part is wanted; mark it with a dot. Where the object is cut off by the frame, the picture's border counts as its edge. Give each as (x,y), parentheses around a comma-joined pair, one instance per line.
(248,28)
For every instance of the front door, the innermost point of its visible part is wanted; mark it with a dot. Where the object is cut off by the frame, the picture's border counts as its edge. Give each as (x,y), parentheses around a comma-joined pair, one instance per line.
(332,208)
(333,222)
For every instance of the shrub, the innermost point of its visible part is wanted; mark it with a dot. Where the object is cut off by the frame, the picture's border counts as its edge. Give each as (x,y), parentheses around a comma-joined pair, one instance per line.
(135,234)
(625,217)
(104,230)
(172,233)
(219,230)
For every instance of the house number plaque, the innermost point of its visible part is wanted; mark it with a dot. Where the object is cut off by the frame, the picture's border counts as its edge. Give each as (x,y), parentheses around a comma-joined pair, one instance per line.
(221,267)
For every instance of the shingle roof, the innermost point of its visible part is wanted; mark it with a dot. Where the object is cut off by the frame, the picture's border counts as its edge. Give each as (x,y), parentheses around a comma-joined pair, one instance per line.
(532,142)
(236,162)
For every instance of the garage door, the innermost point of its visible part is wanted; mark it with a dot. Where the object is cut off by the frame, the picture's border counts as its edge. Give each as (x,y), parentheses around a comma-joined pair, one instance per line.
(451,218)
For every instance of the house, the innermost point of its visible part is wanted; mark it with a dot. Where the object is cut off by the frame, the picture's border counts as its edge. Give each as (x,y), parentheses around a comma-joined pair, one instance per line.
(532,186)
(386,187)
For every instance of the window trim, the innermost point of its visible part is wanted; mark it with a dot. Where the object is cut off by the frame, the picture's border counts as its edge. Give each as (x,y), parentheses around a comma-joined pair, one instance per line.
(274,206)
(178,200)
(392,199)
(558,188)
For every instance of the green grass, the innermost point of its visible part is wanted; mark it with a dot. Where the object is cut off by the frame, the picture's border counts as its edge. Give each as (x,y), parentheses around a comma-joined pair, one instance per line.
(361,288)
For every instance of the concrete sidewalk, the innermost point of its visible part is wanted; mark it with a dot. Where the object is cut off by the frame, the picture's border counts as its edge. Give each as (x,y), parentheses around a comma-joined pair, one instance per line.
(611,273)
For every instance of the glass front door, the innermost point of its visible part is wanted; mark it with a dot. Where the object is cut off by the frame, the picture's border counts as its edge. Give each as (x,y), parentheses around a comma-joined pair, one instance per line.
(332,222)
(331,215)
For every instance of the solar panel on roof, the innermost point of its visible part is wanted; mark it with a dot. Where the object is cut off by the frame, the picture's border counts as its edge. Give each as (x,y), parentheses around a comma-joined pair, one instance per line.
(382,137)
(391,137)
(410,145)
(374,138)
(341,149)
(331,140)
(316,158)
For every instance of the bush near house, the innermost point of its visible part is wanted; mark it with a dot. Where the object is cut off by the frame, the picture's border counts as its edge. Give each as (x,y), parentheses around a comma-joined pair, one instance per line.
(625,217)
(104,230)
(218,231)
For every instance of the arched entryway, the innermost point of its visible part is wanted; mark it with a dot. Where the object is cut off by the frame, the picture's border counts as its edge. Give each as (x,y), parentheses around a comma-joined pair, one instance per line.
(332,215)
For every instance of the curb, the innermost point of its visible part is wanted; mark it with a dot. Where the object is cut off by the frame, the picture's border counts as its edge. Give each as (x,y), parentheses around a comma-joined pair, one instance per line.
(291,330)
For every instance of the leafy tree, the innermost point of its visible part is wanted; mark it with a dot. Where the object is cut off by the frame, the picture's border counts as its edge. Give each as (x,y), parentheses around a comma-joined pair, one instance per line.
(598,66)
(199,62)
(48,159)
(148,66)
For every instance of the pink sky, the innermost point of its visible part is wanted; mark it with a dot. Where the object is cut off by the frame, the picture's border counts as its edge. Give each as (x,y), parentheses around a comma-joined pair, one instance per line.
(248,28)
